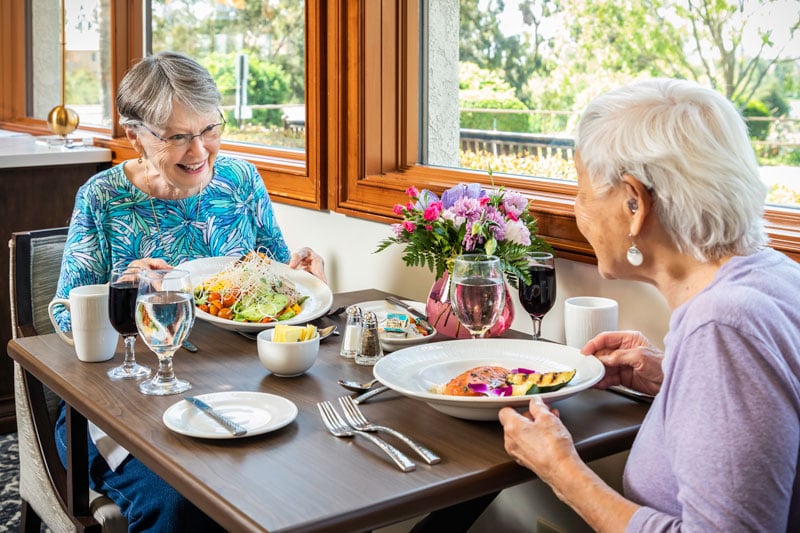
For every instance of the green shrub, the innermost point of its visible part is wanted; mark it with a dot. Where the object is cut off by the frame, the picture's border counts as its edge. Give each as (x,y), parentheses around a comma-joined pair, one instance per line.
(759,129)
(266,84)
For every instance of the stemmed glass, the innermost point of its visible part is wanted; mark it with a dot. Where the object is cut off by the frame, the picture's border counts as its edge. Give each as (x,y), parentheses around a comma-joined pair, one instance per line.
(538,296)
(164,317)
(123,287)
(477,292)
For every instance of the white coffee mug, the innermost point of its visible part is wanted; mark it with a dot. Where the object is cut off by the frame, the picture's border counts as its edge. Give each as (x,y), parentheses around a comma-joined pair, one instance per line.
(93,336)
(587,316)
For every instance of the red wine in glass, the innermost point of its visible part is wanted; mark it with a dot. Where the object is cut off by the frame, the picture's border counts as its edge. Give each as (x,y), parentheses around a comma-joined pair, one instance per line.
(122,306)
(539,296)
(123,287)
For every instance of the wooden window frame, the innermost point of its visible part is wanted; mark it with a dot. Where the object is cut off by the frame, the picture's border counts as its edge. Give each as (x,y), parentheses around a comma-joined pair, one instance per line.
(292,177)
(375,42)
(362,64)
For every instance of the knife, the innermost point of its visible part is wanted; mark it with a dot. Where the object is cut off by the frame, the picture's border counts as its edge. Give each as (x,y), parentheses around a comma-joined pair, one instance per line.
(423,320)
(223,420)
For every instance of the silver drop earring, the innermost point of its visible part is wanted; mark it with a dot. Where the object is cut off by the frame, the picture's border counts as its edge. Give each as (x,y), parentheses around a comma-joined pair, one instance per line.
(634,255)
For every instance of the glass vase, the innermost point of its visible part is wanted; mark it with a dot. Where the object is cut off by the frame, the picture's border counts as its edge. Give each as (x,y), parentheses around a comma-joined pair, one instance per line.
(441,317)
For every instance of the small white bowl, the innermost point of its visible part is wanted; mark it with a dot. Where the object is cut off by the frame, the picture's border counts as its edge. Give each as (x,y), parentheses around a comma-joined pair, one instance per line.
(287,359)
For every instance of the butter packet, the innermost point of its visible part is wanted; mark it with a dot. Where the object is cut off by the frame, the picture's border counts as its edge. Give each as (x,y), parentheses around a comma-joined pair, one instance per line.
(395,323)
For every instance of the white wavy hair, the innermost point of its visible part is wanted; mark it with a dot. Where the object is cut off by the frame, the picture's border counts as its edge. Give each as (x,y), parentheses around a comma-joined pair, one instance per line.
(689,146)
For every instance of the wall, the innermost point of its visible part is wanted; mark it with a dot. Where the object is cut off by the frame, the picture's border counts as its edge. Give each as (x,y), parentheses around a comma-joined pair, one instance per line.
(347,244)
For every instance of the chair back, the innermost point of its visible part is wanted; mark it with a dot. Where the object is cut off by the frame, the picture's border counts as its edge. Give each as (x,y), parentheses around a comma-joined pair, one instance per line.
(34,255)
(35,265)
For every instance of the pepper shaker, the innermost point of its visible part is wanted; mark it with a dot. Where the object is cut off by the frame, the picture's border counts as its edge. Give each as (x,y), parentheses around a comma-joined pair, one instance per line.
(351,341)
(371,349)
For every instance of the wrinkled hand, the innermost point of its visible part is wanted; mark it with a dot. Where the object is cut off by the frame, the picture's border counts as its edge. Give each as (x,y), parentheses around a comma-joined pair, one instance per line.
(307,259)
(538,440)
(630,360)
(150,263)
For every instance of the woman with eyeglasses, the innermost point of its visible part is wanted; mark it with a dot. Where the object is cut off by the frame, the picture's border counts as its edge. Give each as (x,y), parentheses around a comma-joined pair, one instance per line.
(179,200)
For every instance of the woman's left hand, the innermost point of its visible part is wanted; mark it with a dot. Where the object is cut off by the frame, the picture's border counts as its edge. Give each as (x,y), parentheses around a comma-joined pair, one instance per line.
(538,440)
(307,259)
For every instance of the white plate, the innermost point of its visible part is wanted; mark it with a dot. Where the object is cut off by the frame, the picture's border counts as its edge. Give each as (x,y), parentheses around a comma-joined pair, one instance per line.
(258,412)
(320,297)
(414,371)
(382,308)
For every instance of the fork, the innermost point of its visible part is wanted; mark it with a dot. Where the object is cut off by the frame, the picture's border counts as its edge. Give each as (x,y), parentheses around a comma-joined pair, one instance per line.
(357,419)
(338,428)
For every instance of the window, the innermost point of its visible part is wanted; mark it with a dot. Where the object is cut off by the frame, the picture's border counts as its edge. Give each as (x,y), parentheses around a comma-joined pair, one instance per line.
(504,83)
(86,60)
(254,51)
(394,92)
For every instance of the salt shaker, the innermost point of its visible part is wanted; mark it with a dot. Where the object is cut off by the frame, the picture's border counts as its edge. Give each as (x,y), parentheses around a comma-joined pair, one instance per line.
(371,349)
(351,341)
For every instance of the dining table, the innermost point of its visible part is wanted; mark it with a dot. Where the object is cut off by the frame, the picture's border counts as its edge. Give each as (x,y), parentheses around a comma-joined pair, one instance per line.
(299,477)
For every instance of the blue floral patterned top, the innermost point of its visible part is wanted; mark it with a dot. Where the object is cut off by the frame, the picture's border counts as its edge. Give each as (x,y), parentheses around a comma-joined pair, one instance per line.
(112,224)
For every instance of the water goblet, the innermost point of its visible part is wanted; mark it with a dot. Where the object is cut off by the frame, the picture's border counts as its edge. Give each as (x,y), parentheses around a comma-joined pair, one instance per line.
(477,292)
(538,296)
(164,317)
(123,287)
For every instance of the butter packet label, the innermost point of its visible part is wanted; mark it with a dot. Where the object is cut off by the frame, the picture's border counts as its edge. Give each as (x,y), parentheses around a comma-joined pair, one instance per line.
(395,323)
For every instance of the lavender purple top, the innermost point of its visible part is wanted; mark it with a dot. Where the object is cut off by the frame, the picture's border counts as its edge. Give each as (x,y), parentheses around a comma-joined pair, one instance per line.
(718,450)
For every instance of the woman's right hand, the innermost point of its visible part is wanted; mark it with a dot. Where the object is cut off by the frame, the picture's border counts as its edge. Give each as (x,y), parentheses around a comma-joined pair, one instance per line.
(630,360)
(150,263)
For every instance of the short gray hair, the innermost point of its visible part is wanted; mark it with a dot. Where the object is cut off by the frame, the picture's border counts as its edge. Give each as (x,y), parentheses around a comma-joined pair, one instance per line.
(150,87)
(689,146)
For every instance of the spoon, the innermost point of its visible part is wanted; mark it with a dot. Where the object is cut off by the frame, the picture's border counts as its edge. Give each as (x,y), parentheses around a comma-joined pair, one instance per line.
(355,386)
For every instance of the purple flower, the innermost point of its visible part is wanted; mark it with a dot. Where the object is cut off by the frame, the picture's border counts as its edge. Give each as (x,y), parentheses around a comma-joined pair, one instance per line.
(397,230)
(462,190)
(497,222)
(425,199)
(514,204)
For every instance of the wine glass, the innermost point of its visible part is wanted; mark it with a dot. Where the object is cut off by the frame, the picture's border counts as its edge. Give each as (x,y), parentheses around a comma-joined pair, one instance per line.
(164,317)
(538,296)
(477,292)
(123,287)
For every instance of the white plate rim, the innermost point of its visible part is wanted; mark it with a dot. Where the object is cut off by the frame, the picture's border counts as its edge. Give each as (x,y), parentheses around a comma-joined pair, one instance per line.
(320,294)
(420,358)
(384,306)
(282,413)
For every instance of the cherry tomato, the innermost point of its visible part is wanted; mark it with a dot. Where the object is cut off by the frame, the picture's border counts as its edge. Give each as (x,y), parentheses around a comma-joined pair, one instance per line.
(203,307)
(214,296)
(225,313)
(228,300)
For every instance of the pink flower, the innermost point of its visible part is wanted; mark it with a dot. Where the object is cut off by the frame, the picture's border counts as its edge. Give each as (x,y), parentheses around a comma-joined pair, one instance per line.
(432,211)
(429,227)
(398,209)
(409,206)
(412,192)
(409,226)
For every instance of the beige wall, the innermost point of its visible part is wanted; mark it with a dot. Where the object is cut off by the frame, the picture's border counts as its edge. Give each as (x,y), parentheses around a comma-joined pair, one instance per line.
(347,244)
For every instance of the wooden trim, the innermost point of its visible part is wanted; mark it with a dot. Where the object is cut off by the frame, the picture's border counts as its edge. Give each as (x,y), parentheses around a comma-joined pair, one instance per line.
(381,103)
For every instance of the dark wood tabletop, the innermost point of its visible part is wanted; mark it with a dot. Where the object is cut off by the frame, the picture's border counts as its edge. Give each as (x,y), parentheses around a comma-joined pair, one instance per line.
(300,478)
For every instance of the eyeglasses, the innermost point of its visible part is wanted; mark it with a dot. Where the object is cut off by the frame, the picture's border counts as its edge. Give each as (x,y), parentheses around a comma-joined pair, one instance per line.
(212,132)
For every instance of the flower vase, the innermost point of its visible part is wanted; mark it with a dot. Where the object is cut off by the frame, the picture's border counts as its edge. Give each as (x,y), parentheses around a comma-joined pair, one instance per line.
(441,316)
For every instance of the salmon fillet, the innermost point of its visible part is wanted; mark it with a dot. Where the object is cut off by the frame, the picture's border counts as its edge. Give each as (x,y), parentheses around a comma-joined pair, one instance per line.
(493,376)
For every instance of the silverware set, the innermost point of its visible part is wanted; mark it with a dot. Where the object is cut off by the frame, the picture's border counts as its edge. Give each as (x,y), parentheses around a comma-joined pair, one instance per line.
(357,424)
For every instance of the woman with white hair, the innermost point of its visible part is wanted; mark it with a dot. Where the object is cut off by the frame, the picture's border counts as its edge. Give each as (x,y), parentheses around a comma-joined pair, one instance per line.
(669,194)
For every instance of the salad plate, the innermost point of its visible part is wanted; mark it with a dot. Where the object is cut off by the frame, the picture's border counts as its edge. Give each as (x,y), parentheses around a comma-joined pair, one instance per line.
(258,412)
(390,341)
(318,302)
(417,371)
